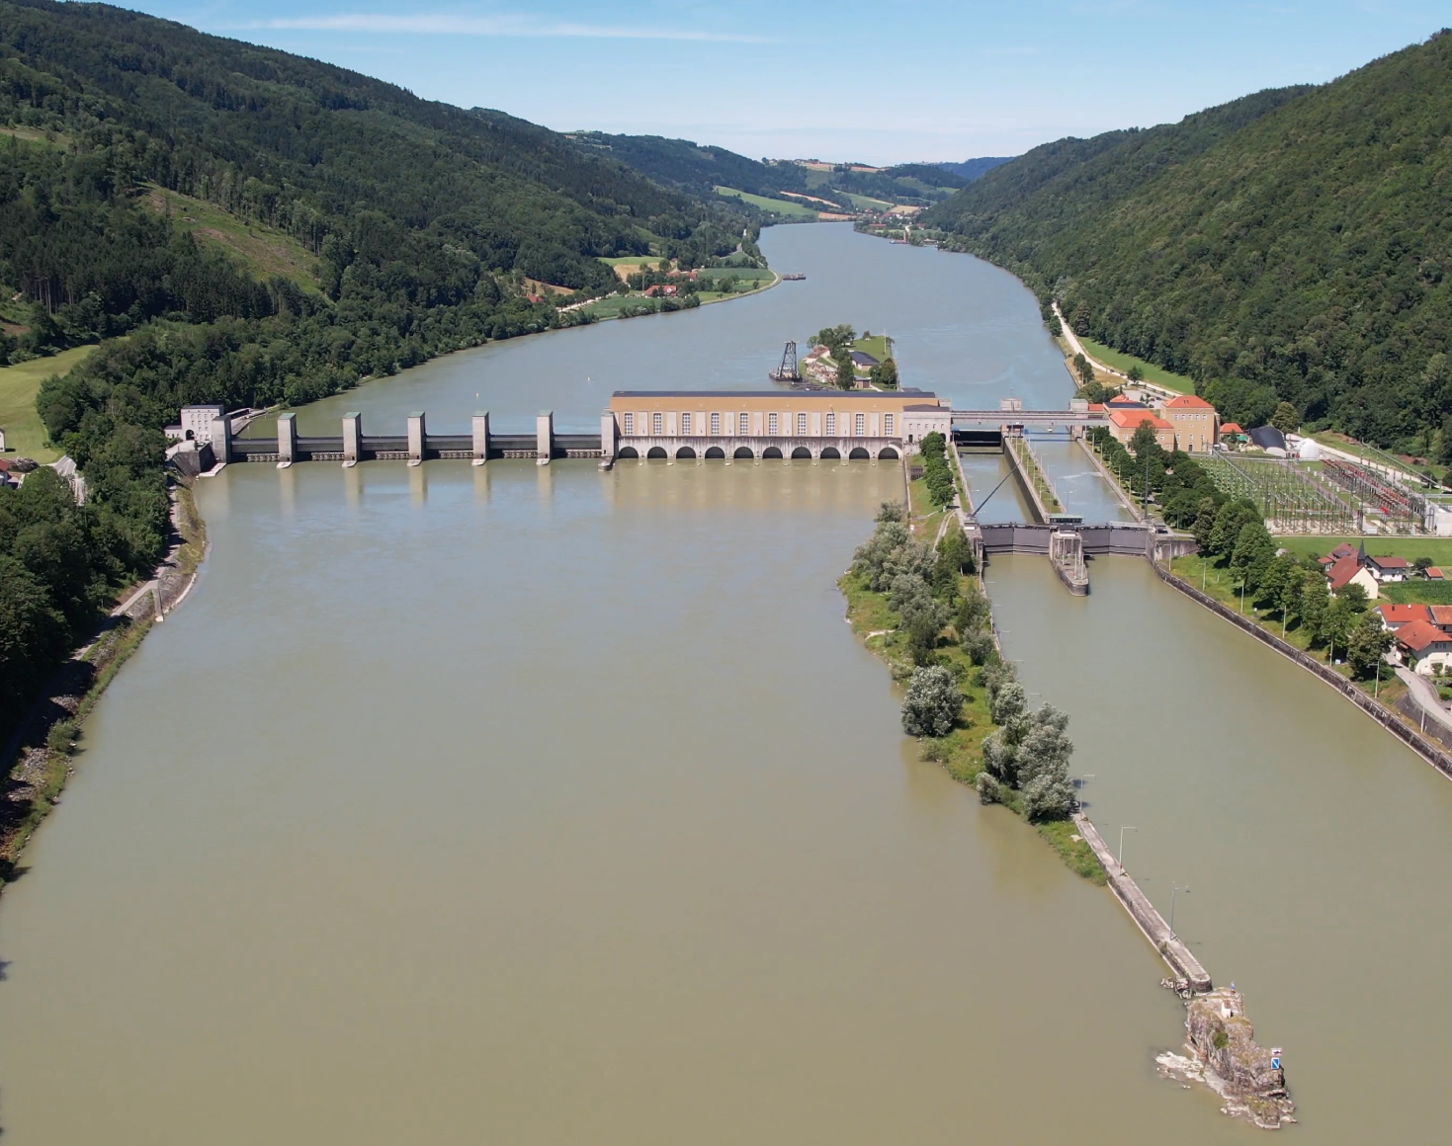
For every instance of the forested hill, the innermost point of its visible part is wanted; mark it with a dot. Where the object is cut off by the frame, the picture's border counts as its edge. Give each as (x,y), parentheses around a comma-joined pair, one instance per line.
(177,188)
(971,169)
(1294,244)
(701,168)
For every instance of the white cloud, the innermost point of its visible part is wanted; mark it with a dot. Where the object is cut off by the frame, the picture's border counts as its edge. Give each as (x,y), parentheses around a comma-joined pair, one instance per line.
(454,25)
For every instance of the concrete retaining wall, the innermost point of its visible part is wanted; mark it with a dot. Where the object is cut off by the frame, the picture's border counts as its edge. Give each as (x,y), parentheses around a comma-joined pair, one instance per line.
(1142,911)
(1421,745)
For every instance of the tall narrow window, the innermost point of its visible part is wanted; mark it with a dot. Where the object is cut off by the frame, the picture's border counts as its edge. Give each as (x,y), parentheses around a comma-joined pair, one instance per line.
(859,424)
(831,424)
(887,425)
(630,423)
(801,425)
(715,424)
(771,424)
(686,423)
(745,423)
(657,423)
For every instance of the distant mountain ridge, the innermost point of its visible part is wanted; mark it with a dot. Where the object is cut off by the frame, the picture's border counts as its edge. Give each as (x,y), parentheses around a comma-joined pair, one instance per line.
(700,168)
(1292,245)
(971,169)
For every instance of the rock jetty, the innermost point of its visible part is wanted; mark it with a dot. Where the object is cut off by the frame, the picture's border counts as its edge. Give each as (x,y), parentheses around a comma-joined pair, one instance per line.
(1225,1056)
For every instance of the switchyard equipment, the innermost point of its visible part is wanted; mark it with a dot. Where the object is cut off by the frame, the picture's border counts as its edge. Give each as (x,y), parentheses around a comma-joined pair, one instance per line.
(1288,494)
(1404,509)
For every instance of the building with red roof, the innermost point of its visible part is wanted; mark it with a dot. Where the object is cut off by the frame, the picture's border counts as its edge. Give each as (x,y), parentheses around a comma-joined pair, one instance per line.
(1424,646)
(1395,616)
(1195,422)
(1388,568)
(1123,423)
(1348,570)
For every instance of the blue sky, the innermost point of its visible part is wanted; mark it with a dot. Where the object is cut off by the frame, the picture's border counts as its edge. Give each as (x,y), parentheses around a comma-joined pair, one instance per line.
(877,82)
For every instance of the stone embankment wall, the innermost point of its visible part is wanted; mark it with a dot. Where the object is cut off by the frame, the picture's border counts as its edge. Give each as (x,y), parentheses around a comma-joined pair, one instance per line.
(1421,745)
(1142,911)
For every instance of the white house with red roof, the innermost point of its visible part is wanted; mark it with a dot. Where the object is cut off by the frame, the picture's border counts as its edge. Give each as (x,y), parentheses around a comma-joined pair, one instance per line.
(1424,646)
(1194,419)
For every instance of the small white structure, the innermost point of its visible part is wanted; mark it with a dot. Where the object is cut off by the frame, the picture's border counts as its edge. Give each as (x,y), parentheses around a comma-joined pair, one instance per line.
(2,441)
(1309,450)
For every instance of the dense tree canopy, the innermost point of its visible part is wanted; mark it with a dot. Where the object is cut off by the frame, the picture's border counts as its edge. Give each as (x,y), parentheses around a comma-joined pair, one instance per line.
(1291,246)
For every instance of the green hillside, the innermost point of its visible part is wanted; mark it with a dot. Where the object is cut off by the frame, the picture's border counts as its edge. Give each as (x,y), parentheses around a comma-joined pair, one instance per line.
(1291,245)
(684,164)
(262,228)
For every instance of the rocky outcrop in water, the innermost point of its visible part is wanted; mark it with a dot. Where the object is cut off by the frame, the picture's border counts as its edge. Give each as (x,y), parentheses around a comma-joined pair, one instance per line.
(1226,1057)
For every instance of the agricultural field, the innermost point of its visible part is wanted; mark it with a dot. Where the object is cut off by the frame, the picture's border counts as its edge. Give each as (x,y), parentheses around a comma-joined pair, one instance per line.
(25,435)
(784,207)
(867,203)
(1152,373)
(1439,549)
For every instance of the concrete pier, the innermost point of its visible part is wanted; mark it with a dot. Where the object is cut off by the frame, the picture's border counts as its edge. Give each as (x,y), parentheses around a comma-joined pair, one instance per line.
(544,433)
(222,439)
(480,430)
(607,439)
(1143,912)
(352,439)
(286,440)
(417,438)
(1024,461)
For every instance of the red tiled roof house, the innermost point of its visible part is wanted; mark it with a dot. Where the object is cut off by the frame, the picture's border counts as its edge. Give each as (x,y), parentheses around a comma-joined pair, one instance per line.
(1424,646)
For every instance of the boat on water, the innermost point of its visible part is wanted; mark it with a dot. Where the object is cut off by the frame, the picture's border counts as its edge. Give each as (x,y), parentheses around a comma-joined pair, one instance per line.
(793,278)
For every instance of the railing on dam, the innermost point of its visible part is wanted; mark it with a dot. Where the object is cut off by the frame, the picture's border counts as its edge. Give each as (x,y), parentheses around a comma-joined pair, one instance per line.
(1124,538)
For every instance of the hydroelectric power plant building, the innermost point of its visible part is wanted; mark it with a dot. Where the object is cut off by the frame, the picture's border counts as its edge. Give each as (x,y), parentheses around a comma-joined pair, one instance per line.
(771,424)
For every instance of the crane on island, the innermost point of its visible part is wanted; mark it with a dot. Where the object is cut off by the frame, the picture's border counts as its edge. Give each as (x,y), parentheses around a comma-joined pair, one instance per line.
(787,371)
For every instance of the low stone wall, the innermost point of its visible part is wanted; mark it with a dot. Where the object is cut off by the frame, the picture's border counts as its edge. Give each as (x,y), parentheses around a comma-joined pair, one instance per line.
(1142,911)
(1421,745)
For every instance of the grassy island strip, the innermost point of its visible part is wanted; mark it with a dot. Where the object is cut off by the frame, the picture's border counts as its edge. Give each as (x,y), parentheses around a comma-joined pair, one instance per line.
(924,612)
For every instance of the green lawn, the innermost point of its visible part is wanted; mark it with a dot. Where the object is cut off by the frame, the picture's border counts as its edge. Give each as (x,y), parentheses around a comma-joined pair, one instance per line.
(875,346)
(1439,549)
(25,436)
(867,202)
(628,260)
(710,274)
(1152,373)
(264,250)
(784,207)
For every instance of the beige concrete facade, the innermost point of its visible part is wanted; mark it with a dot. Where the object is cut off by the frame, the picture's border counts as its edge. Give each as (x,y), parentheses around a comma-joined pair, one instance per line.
(1196,426)
(765,423)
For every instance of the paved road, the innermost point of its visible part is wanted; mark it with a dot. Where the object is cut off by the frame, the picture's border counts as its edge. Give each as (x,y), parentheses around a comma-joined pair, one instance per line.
(1424,695)
(1078,348)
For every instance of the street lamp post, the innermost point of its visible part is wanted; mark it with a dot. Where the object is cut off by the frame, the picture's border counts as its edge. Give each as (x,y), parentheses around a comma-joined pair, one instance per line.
(1121,845)
(1175,890)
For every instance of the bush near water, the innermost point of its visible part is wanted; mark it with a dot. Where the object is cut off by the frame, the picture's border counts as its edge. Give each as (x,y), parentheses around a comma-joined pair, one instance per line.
(962,699)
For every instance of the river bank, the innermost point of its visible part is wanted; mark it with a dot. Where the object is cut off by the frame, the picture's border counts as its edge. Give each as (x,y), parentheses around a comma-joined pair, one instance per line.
(41,755)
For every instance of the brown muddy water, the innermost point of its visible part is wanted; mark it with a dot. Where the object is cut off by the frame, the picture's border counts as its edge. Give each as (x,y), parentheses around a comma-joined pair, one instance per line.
(538,805)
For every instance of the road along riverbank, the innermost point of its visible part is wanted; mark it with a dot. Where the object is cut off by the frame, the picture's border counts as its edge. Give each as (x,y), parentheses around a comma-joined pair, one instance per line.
(39,757)
(1423,746)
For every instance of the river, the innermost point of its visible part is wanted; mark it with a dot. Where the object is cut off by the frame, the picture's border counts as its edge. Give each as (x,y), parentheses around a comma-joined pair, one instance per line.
(537,805)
